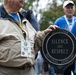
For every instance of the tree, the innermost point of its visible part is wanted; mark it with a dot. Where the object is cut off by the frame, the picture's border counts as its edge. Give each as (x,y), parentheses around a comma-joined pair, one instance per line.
(49,16)
(28,4)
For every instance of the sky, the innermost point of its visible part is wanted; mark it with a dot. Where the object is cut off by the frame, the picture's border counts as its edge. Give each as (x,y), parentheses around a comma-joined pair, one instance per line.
(43,3)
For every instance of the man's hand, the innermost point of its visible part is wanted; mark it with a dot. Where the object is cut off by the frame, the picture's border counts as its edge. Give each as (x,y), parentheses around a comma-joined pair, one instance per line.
(51,28)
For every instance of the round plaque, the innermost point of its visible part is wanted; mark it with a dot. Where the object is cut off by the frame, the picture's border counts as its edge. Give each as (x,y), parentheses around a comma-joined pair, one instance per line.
(59,47)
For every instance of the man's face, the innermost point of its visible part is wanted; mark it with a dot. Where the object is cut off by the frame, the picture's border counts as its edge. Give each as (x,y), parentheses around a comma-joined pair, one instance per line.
(69,10)
(16,3)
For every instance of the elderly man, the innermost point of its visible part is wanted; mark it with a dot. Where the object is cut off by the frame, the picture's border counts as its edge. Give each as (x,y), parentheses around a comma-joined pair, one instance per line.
(66,22)
(19,41)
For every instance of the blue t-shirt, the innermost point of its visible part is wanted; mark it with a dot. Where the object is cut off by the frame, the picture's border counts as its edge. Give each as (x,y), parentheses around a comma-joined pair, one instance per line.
(15,16)
(61,22)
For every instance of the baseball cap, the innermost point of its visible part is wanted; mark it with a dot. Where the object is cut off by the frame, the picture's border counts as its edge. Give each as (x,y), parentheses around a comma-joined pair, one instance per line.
(67,2)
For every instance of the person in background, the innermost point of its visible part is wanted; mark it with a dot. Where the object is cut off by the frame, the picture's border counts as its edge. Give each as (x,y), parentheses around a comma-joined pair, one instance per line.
(46,68)
(66,22)
(19,41)
(39,64)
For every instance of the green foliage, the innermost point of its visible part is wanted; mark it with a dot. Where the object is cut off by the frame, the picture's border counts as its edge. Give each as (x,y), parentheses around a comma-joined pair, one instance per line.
(28,4)
(50,16)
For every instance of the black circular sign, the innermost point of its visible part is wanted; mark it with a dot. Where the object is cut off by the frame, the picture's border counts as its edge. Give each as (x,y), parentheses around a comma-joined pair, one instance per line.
(58,47)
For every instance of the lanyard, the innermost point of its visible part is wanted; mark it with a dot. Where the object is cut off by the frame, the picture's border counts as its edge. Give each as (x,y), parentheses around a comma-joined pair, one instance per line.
(20,24)
(68,24)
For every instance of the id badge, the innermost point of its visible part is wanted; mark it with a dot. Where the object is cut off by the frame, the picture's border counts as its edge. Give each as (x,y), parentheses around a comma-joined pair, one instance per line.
(25,48)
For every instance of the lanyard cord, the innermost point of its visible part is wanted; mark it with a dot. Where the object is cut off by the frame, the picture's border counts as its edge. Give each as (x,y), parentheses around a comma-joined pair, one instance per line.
(20,24)
(68,22)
